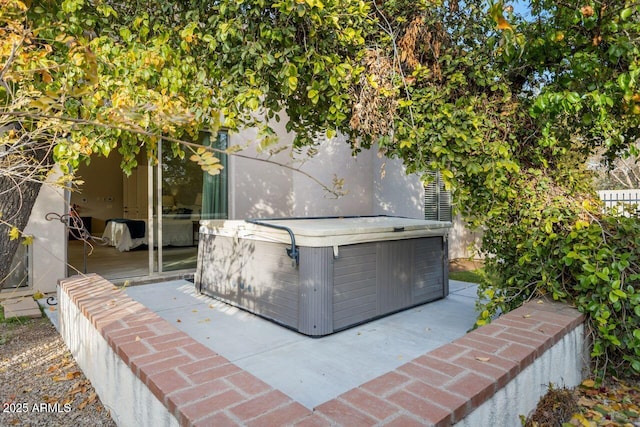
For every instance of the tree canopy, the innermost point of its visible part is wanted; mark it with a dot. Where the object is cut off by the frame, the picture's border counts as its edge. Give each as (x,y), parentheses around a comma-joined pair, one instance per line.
(506,106)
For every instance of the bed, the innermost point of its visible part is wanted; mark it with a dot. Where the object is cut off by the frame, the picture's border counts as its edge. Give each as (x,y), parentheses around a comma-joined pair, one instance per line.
(321,275)
(125,234)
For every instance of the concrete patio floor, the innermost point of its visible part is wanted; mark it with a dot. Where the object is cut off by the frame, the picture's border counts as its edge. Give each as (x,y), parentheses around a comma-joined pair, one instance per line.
(311,370)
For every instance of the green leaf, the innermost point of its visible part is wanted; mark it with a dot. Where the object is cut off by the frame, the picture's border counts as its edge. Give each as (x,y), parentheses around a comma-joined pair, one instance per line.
(253,103)
(293,83)
(314,95)
(620,293)
(446,173)
(125,34)
(624,81)
(613,297)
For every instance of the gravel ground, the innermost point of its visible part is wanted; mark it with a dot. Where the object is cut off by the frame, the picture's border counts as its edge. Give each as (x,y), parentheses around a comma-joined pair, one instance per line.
(40,382)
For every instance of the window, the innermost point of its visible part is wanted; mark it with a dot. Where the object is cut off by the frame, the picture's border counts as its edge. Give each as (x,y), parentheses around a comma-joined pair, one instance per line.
(189,192)
(215,190)
(437,200)
(188,195)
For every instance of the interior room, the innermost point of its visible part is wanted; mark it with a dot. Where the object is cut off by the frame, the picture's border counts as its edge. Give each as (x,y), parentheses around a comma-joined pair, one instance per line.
(115,210)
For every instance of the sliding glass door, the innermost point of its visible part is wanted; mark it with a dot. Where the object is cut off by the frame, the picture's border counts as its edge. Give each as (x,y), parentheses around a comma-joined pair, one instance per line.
(146,223)
(184,194)
(215,189)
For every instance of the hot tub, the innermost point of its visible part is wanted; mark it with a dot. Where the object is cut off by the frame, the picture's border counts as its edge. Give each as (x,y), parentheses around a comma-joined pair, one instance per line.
(321,275)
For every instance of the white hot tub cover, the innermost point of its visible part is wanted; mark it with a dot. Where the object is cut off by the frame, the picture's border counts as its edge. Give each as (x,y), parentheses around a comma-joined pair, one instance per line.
(325,232)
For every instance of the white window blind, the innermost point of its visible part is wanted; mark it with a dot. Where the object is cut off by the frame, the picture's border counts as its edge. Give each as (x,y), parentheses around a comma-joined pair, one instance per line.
(437,200)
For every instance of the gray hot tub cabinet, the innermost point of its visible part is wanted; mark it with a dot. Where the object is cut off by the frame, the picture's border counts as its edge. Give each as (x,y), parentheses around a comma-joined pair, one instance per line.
(349,270)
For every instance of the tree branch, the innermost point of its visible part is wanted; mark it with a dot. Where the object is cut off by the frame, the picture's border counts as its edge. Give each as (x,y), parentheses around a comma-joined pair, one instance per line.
(333,191)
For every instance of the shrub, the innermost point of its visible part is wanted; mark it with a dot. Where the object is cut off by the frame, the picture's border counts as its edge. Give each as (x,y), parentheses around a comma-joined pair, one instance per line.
(571,252)
(602,259)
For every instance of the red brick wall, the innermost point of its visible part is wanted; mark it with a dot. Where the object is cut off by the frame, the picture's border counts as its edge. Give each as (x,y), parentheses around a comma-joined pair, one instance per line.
(200,387)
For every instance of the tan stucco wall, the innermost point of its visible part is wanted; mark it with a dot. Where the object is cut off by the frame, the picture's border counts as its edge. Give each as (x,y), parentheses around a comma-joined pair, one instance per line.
(374,185)
(260,189)
(48,252)
(395,192)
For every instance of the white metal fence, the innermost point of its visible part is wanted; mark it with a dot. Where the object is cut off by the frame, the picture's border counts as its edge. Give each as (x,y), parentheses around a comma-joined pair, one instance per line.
(626,202)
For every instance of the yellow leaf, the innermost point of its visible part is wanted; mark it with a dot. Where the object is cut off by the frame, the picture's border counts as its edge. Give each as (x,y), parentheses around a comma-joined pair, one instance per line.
(583,401)
(14,233)
(213,172)
(503,24)
(88,400)
(580,420)
(495,11)
(233,149)
(588,383)
(72,375)
(46,77)
(21,5)
(587,11)
(581,224)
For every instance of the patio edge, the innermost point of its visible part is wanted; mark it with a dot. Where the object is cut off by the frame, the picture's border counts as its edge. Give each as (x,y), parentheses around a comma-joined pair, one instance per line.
(147,372)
